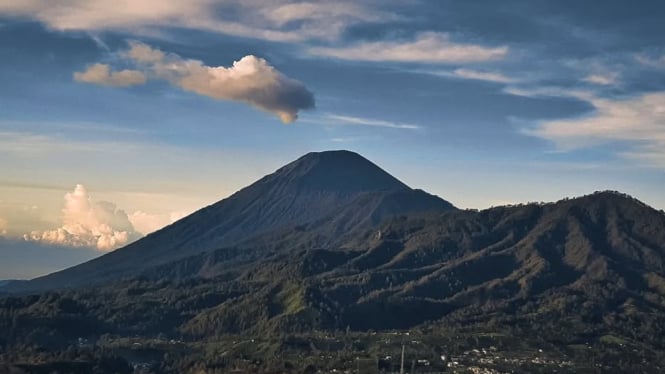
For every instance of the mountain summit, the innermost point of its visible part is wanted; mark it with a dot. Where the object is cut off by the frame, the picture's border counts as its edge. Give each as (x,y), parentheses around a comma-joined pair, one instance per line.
(336,171)
(339,190)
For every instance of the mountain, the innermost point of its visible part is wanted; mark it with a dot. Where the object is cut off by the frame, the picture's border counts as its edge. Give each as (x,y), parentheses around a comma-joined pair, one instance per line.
(333,243)
(5,282)
(590,258)
(339,187)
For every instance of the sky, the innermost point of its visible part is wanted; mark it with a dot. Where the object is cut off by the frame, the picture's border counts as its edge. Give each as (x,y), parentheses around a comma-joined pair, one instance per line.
(120,117)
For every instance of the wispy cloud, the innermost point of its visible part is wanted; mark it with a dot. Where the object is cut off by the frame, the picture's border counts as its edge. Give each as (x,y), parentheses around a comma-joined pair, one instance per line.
(482,75)
(279,20)
(103,75)
(103,14)
(344,139)
(285,13)
(601,79)
(343,120)
(657,62)
(638,122)
(463,73)
(547,91)
(598,70)
(36,186)
(27,144)
(426,47)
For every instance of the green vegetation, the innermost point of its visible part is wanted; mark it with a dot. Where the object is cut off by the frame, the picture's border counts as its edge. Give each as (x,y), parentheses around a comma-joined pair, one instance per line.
(574,286)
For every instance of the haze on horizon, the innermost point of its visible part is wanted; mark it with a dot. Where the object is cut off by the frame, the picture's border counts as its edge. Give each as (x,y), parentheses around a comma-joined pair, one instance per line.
(115,122)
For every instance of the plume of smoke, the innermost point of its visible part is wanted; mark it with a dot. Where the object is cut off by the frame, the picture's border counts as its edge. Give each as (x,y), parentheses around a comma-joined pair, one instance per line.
(250,80)
(87,224)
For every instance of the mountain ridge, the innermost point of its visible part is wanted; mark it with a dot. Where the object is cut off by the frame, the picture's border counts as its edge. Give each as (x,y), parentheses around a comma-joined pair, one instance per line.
(599,252)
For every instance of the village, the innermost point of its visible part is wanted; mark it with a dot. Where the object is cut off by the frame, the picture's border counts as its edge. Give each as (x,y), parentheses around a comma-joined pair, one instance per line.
(392,352)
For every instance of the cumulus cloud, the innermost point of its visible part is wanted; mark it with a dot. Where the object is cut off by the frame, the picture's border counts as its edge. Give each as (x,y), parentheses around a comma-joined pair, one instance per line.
(145,54)
(426,47)
(250,80)
(145,223)
(638,122)
(88,224)
(101,74)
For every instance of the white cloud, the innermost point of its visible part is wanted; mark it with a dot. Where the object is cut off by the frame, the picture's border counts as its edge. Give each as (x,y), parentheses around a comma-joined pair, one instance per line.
(101,74)
(145,223)
(88,224)
(601,79)
(426,47)
(277,20)
(320,20)
(145,54)
(548,91)
(482,75)
(336,119)
(250,80)
(283,14)
(637,121)
(600,71)
(106,14)
(345,139)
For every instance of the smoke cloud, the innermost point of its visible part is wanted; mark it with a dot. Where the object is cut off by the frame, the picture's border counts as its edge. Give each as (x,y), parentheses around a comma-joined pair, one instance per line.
(250,80)
(88,224)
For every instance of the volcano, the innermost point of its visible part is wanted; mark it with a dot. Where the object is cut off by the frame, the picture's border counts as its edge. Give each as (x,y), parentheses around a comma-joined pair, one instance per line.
(339,190)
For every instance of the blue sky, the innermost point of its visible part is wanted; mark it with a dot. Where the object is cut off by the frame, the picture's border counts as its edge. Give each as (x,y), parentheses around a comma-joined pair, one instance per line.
(115,121)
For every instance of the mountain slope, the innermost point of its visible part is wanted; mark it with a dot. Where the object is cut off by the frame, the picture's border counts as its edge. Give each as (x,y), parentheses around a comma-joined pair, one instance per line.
(332,243)
(585,258)
(317,187)
(570,272)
